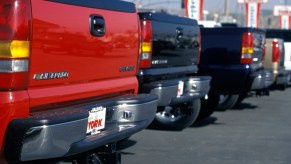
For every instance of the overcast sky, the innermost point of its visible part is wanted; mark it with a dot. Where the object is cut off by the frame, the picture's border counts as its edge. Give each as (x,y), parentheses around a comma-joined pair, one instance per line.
(212,5)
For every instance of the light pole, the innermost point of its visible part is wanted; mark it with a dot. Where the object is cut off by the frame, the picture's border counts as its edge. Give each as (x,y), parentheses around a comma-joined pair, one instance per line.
(205,13)
(226,8)
(215,15)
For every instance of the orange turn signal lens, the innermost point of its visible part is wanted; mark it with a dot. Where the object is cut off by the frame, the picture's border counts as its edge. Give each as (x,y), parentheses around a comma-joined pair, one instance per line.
(247,50)
(146,47)
(14,49)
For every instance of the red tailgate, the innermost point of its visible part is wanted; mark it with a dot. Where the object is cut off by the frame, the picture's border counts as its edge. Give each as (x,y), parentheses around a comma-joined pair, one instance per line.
(64,50)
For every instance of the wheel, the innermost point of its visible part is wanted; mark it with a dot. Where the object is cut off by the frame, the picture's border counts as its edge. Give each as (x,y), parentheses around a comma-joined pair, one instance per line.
(282,87)
(208,106)
(227,101)
(176,117)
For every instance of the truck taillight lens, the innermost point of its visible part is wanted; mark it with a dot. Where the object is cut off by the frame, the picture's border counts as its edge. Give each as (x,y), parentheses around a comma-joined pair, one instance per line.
(247,48)
(264,51)
(15,34)
(146,44)
(199,48)
(276,50)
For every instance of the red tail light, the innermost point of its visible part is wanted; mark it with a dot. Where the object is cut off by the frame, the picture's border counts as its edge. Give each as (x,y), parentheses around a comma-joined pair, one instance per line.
(15,29)
(276,50)
(247,48)
(199,48)
(146,44)
(264,52)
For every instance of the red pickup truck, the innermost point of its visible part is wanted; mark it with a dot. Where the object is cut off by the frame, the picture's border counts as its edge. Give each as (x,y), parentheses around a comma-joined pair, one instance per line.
(68,79)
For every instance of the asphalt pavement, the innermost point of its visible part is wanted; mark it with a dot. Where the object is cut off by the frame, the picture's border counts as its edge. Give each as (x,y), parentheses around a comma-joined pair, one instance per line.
(257,132)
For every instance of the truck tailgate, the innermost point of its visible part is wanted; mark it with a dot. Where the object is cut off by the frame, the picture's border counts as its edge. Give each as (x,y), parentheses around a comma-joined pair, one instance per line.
(81,41)
(175,40)
(224,45)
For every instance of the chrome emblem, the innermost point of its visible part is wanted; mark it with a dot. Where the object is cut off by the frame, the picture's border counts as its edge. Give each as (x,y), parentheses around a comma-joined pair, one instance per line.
(126,68)
(50,75)
(159,61)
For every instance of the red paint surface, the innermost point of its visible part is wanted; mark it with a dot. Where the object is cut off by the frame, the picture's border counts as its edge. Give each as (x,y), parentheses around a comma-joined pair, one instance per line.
(61,42)
(13,105)
(63,93)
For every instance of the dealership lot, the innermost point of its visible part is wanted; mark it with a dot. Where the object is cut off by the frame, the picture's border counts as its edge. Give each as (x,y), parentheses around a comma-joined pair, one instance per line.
(258,131)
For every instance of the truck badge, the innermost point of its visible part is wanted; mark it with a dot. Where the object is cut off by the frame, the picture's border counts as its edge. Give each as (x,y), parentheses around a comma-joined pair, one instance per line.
(51,75)
(159,61)
(126,68)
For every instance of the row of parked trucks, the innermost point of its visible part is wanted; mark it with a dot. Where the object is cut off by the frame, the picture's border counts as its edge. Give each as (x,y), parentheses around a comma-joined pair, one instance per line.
(79,76)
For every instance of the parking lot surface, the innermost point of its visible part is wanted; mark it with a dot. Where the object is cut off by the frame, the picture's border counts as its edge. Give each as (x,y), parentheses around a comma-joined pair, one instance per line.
(257,132)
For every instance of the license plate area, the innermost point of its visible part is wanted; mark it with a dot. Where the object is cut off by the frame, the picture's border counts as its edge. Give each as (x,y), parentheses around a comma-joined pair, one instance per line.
(96,120)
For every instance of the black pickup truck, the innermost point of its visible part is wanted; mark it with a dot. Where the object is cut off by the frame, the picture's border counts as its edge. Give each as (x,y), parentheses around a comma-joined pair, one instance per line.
(233,57)
(169,66)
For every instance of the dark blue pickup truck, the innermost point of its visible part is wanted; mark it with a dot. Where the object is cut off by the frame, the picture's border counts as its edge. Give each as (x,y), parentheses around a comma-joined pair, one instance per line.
(233,57)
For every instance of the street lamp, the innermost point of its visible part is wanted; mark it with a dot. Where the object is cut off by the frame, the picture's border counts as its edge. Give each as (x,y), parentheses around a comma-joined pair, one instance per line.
(215,15)
(205,13)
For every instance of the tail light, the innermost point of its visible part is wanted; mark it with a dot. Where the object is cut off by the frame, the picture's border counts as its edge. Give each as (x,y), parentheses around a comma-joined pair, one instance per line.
(276,50)
(146,44)
(247,48)
(15,29)
(264,51)
(199,44)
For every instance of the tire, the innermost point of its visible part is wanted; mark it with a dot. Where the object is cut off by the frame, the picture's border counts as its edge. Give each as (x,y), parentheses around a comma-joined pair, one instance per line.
(227,101)
(208,106)
(176,117)
(282,87)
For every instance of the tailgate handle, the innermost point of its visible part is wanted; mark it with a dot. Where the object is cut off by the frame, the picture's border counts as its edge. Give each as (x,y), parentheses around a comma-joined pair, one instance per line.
(180,33)
(97,25)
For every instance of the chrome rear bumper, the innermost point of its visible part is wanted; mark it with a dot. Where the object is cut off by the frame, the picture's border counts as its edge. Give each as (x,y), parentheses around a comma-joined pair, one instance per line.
(261,80)
(62,132)
(193,88)
(281,77)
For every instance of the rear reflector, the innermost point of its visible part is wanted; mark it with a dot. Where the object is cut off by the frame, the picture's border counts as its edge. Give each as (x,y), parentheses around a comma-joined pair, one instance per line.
(13,81)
